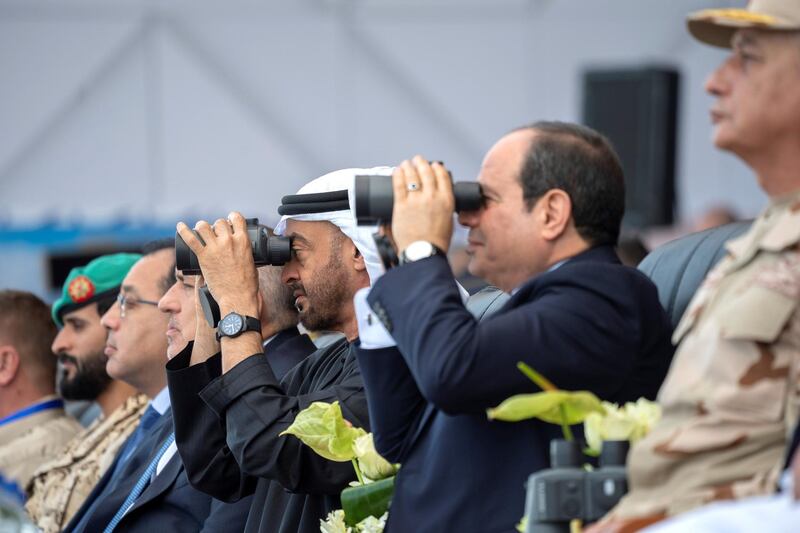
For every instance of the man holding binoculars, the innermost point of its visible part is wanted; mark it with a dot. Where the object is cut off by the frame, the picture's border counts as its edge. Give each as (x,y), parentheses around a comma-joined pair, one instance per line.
(239,451)
(553,203)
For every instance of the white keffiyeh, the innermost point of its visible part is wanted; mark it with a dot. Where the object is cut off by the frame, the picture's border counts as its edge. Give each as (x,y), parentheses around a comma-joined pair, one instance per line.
(345,220)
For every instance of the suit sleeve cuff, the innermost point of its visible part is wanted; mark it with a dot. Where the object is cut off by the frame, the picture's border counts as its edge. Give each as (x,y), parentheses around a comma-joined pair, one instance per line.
(252,373)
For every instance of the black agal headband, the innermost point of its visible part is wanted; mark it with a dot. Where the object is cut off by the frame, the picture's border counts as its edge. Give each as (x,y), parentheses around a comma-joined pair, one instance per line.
(311,203)
(323,202)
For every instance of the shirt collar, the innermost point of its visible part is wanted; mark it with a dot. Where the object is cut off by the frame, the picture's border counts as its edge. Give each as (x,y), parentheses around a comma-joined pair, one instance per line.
(161,402)
(49,402)
(269,340)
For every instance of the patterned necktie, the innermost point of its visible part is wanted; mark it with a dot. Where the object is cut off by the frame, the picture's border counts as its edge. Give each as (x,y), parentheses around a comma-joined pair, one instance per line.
(144,480)
(149,418)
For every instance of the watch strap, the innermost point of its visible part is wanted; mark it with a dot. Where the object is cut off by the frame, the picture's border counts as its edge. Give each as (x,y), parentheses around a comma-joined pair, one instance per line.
(250,324)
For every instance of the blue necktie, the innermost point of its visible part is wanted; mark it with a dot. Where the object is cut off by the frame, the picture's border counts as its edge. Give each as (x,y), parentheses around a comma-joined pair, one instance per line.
(144,480)
(148,419)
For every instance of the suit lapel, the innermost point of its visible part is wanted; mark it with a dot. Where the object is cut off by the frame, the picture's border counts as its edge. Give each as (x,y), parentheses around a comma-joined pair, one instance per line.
(171,470)
(162,483)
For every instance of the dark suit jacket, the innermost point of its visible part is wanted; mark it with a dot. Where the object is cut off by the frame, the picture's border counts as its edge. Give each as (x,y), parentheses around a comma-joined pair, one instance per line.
(591,324)
(169,503)
(227,430)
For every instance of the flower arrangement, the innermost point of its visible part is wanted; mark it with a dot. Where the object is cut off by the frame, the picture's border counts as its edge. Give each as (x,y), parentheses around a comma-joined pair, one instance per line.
(630,422)
(602,421)
(365,503)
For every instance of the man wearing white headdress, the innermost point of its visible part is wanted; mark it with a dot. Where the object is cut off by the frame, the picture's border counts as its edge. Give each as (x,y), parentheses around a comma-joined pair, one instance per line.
(241,407)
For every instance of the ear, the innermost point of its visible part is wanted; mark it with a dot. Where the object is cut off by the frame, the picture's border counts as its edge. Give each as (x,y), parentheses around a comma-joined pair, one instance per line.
(358,260)
(9,364)
(555,213)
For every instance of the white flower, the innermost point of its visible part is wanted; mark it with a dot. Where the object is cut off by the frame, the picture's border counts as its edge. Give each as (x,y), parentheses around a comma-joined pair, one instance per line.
(645,414)
(370,462)
(631,422)
(334,523)
(372,525)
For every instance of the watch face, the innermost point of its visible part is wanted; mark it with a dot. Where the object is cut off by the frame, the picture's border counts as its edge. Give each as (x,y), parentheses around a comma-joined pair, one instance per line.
(231,324)
(419,250)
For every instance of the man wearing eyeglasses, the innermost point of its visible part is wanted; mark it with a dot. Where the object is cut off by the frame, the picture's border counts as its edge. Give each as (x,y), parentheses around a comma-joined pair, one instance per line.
(60,486)
(146,487)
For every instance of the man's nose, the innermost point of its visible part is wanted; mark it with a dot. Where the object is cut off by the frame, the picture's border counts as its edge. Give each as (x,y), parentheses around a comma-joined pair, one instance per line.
(716,82)
(60,343)
(110,320)
(469,218)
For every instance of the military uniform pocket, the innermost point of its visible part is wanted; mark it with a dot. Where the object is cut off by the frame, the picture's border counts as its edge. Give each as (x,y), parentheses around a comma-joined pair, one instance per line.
(752,326)
(758,314)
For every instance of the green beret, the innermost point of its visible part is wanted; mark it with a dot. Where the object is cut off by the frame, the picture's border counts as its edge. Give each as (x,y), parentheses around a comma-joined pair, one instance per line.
(93,282)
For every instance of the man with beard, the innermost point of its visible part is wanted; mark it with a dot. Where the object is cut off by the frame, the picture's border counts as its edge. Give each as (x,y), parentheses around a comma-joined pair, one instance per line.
(59,487)
(332,258)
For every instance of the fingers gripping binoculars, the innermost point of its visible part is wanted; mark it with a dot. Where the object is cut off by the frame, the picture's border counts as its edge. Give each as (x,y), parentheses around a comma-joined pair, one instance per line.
(267,250)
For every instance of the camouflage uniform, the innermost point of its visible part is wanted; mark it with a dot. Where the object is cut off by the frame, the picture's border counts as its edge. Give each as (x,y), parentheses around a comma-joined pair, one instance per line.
(28,442)
(59,488)
(731,397)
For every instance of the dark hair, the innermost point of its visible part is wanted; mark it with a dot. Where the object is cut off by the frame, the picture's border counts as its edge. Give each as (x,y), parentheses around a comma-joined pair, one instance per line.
(151,247)
(105,303)
(582,163)
(157,245)
(25,322)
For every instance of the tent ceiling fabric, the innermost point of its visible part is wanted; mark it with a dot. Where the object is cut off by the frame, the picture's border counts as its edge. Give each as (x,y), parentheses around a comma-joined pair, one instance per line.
(137,111)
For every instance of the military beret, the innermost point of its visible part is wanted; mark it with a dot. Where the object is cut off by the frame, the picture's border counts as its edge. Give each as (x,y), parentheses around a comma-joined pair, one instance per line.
(90,283)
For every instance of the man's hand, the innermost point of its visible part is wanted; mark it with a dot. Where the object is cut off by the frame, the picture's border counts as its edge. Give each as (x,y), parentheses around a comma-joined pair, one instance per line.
(423,204)
(226,261)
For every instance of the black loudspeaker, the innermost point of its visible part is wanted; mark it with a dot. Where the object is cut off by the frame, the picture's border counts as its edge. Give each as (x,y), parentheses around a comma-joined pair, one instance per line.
(637,110)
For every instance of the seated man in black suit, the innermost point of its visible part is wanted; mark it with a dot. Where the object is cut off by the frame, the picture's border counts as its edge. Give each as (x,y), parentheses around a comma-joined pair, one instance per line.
(554,200)
(146,487)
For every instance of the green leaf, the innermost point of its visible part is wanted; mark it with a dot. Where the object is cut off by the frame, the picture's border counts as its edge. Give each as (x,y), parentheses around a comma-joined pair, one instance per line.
(322,427)
(367,500)
(547,406)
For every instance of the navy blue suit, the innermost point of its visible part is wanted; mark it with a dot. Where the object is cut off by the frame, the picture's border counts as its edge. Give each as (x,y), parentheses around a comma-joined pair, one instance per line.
(169,503)
(591,324)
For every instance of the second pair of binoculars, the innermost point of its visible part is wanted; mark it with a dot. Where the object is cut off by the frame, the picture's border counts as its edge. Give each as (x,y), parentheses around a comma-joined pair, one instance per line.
(374,198)
(267,249)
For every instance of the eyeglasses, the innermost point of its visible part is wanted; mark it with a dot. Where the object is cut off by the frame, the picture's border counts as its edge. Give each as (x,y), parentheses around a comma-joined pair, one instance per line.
(128,303)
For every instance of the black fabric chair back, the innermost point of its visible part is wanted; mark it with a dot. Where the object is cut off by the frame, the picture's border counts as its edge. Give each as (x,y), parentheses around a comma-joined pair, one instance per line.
(678,267)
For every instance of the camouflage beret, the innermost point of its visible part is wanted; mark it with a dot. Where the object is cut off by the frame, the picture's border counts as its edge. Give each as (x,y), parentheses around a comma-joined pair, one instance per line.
(93,282)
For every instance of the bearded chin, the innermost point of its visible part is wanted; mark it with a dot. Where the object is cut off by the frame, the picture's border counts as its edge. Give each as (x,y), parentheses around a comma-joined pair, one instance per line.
(90,380)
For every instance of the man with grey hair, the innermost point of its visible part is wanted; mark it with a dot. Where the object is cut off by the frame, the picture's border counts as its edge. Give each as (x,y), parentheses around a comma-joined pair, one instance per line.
(732,396)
